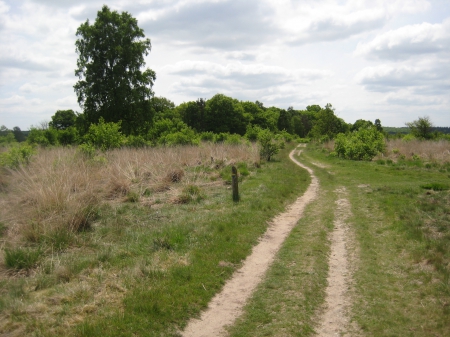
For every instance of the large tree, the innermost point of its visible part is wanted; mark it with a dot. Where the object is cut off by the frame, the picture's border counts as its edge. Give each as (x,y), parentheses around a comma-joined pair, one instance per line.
(111,82)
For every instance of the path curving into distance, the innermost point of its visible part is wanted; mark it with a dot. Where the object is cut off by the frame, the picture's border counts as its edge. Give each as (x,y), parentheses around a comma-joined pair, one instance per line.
(227,305)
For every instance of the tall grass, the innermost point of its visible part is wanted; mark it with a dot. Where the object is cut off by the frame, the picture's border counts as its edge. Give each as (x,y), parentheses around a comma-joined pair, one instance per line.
(61,188)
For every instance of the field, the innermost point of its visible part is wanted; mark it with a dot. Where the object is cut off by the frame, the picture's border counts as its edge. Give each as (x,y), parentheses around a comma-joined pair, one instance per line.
(136,242)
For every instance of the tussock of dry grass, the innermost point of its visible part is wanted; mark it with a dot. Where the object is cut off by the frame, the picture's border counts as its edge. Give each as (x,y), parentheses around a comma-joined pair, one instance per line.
(60,189)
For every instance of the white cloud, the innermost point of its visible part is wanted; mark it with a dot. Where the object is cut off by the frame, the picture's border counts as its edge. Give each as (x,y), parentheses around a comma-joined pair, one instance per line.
(383,78)
(408,41)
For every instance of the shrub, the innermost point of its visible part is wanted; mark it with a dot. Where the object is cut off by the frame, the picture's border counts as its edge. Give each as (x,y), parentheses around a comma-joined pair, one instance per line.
(269,147)
(233,139)
(363,144)
(136,141)
(16,156)
(105,136)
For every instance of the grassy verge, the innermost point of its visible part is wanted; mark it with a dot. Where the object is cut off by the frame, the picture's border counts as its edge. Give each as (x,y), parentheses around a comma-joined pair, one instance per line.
(144,268)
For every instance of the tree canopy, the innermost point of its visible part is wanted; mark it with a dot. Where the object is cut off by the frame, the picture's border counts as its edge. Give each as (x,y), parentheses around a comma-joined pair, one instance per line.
(111,83)
(421,128)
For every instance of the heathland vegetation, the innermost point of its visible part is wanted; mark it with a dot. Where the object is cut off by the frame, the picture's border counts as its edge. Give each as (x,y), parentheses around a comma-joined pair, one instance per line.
(119,220)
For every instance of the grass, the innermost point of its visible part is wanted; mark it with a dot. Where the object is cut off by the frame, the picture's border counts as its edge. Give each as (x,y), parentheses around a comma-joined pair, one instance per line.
(400,256)
(402,283)
(145,266)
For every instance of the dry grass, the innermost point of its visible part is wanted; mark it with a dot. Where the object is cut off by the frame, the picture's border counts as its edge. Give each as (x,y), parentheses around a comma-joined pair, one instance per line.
(61,189)
(433,151)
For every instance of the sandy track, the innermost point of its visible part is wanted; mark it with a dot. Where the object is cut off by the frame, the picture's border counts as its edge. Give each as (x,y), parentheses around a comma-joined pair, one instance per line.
(334,320)
(227,305)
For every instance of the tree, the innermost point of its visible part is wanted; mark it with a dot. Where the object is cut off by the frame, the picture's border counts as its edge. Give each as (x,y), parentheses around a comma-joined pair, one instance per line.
(111,83)
(18,134)
(63,119)
(225,114)
(327,124)
(421,128)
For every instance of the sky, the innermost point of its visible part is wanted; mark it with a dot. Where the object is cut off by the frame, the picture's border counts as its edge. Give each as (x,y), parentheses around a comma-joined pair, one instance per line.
(371,59)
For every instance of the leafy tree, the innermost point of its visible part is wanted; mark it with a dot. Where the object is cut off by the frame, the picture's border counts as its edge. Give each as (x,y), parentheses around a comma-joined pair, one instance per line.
(421,128)
(378,125)
(225,114)
(63,119)
(327,124)
(18,134)
(284,121)
(359,124)
(193,114)
(111,83)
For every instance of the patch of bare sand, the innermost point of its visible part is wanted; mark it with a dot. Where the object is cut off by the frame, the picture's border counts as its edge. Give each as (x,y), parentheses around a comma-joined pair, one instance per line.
(227,305)
(334,321)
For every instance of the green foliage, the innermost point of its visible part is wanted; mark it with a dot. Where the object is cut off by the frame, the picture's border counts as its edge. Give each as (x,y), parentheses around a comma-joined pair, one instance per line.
(63,119)
(225,114)
(363,144)
(68,136)
(87,150)
(269,147)
(42,137)
(252,132)
(136,141)
(111,84)
(234,139)
(172,132)
(7,137)
(207,136)
(16,156)
(327,124)
(421,128)
(21,258)
(105,136)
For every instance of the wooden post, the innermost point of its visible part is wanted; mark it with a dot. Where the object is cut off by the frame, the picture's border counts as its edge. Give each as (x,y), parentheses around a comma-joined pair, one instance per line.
(234,183)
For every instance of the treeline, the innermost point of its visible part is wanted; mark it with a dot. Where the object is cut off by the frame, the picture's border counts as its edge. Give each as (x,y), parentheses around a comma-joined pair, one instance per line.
(220,118)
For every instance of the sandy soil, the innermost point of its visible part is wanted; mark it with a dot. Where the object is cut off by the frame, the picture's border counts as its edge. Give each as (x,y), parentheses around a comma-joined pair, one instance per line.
(227,305)
(334,319)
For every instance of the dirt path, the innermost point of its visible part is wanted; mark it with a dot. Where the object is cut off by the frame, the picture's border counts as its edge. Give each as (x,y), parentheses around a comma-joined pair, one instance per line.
(227,305)
(334,320)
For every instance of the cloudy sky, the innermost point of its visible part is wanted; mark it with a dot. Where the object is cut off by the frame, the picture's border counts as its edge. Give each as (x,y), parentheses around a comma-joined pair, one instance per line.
(386,59)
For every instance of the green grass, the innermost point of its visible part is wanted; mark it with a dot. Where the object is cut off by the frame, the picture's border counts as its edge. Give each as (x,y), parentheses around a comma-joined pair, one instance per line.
(402,283)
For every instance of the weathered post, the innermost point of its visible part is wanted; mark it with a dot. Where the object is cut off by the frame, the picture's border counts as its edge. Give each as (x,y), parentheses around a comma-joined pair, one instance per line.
(234,183)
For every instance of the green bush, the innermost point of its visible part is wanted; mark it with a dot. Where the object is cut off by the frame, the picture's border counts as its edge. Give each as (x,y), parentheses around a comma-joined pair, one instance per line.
(105,136)
(363,144)
(16,156)
(68,136)
(269,147)
(43,137)
(136,141)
